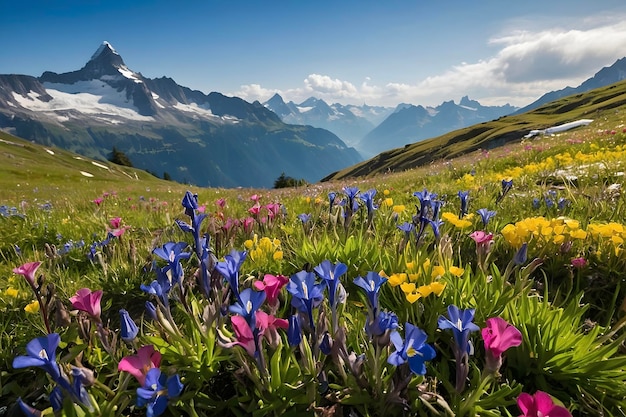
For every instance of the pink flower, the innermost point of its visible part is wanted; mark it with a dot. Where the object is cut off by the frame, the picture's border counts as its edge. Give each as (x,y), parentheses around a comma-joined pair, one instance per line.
(268,326)
(273,209)
(138,365)
(244,335)
(255,198)
(98,201)
(28,270)
(271,284)
(579,262)
(498,337)
(115,222)
(540,405)
(221,202)
(255,209)
(247,224)
(482,238)
(87,301)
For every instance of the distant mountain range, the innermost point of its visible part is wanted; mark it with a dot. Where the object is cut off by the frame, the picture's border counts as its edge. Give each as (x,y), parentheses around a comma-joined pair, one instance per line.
(349,122)
(208,140)
(372,130)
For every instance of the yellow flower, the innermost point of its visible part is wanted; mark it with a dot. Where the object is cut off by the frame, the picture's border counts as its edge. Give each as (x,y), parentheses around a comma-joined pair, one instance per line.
(426,264)
(388,202)
(413,277)
(578,234)
(248,244)
(410,265)
(432,288)
(411,292)
(278,255)
(399,208)
(32,308)
(11,292)
(558,239)
(456,271)
(386,192)
(437,271)
(397,279)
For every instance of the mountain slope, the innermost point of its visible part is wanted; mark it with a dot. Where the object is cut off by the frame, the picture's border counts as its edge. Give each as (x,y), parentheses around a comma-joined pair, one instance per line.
(491,134)
(208,140)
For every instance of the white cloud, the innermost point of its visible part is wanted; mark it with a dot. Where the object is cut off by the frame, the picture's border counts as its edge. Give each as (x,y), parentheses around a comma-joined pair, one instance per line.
(527,65)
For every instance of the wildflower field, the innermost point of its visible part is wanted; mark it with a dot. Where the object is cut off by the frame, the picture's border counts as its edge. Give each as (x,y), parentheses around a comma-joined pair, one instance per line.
(489,285)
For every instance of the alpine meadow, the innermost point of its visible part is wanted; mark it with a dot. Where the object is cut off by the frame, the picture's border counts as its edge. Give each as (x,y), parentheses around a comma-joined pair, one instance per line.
(487,280)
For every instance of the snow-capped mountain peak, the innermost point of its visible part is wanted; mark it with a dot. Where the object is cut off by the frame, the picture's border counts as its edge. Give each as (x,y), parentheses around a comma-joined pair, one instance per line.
(103,48)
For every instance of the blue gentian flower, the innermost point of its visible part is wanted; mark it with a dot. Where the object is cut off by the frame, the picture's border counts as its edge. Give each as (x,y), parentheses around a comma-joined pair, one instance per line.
(326,344)
(330,274)
(464,197)
(229,269)
(190,203)
(460,322)
(331,200)
(562,203)
(413,349)
(128,328)
(173,253)
(157,390)
(248,303)
(151,310)
(536,203)
(294,333)
(507,185)
(304,218)
(371,283)
(521,255)
(368,198)
(56,398)
(41,352)
(549,202)
(78,390)
(307,294)
(485,215)
(27,410)
(385,321)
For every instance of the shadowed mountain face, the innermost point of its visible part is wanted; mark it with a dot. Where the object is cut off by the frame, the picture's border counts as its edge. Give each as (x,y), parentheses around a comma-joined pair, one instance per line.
(208,140)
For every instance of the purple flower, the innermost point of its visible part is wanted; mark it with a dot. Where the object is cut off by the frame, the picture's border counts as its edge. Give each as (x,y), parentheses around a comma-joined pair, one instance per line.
(330,274)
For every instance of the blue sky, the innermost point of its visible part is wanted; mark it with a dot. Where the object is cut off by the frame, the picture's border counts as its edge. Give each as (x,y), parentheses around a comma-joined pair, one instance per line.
(351,52)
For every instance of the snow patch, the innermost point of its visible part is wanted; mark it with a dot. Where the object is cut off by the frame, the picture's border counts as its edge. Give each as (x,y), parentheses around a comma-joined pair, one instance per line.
(102,47)
(304,109)
(86,174)
(99,165)
(129,74)
(559,128)
(50,152)
(88,97)
(194,108)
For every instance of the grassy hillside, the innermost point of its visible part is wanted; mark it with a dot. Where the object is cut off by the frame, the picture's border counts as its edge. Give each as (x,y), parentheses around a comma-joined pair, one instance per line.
(597,104)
